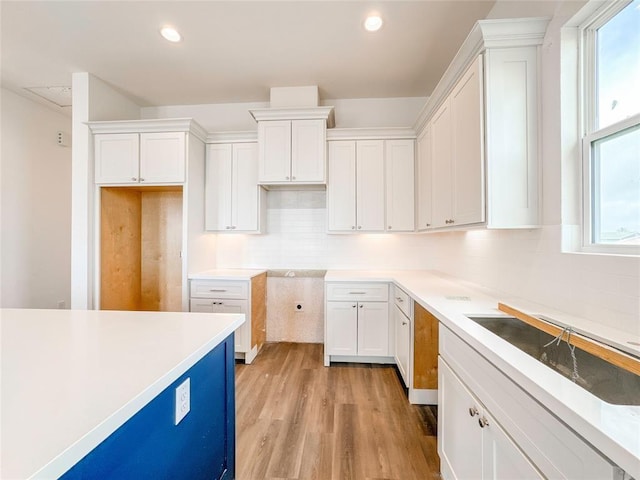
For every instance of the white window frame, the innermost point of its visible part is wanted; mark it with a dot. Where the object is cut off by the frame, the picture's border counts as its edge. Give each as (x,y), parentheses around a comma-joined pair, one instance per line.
(589,132)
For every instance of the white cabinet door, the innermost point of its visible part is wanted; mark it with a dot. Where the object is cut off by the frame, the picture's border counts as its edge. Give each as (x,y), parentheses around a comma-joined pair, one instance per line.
(400,181)
(502,459)
(373,328)
(468,147)
(423,184)
(116,158)
(274,151)
(341,328)
(459,434)
(162,157)
(370,192)
(218,187)
(308,151)
(441,163)
(341,187)
(402,343)
(245,192)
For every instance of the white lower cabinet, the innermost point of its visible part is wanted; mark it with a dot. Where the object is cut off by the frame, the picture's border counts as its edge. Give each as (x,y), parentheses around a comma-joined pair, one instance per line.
(358,327)
(235,296)
(489,427)
(471,443)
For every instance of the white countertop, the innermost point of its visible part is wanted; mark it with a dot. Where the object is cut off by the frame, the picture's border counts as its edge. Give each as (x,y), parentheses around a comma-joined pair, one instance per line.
(226,274)
(612,429)
(70,378)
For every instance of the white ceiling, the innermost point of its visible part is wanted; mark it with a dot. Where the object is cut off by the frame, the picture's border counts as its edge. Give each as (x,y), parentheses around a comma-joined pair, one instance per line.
(234,51)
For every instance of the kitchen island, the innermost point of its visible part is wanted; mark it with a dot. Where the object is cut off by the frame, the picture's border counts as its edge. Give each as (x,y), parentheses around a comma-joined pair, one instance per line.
(88,393)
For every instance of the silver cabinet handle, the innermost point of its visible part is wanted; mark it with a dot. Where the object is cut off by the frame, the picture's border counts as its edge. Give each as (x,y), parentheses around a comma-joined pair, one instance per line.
(353,306)
(216,303)
(361,305)
(428,224)
(227,227)
(233,227)
(450,221)
(293,178)
(399,299)
(473,411)
(357,293)
(483,422)
(217,290)
(389,227)
(141,179)
(404,323)
(135,179)
(353,227)
(286,178)
(359,227)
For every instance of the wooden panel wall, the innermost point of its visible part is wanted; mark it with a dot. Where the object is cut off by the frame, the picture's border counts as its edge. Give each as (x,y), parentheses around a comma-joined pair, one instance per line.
(141,242)
(258,310)
(161,269)
(425,349)
(120,244)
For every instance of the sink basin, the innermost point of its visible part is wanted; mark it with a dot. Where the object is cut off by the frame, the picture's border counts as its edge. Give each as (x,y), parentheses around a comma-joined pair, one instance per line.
(606,381)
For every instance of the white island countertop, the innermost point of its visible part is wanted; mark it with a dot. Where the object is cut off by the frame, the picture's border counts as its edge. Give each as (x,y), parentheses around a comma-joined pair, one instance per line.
(70,378)
(614,430)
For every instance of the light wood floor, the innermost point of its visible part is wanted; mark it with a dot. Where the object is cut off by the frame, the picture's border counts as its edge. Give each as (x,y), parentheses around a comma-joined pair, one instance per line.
(296,419)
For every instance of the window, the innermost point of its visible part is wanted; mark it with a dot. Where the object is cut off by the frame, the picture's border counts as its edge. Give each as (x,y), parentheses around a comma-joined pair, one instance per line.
(611,129)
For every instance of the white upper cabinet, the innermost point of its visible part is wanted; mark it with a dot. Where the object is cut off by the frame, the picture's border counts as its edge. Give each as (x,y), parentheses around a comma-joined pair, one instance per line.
(355,191)
(136,158)
(233,199)
(116,157)
(162,157)
(341,187)
(370,186)
(400,180)
(480,128)
(423,180)
(293,145)
(441,167)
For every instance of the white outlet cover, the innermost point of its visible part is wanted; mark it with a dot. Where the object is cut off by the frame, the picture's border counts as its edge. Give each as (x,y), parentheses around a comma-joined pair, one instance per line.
(183,400)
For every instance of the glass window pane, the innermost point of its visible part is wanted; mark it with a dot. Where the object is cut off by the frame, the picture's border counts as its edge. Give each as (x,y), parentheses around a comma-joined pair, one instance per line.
(616,188)
(618,67)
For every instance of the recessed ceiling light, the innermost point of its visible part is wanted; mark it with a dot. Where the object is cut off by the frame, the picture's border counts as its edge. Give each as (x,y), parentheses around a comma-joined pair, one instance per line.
(373,23)
(171,34)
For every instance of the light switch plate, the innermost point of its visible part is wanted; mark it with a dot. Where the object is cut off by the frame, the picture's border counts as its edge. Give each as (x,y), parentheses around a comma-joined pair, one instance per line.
(183,400)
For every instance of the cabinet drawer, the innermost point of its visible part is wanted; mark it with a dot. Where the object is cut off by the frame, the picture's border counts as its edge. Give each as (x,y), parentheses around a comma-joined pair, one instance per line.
(402,300)
(219,289)
(218,306)
(347,291)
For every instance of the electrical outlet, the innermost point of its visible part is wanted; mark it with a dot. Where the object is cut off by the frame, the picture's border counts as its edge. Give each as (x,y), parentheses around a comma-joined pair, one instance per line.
(183,400)
(299,307)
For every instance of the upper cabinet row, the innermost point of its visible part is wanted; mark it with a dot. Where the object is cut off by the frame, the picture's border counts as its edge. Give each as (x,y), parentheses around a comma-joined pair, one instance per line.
(140,158)
(477,160)
(371,186)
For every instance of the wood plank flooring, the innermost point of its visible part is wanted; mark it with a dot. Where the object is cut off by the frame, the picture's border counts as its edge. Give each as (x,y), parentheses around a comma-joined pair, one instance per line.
(296,419)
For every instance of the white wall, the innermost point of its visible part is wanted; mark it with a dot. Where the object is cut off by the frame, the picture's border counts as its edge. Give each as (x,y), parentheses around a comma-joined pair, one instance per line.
(36,205)
(349,113)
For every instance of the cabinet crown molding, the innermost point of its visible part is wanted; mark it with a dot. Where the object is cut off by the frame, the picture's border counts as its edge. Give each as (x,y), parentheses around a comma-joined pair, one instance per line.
(188,125)
(500,33)
(304,113)
(373,133)
(232,137)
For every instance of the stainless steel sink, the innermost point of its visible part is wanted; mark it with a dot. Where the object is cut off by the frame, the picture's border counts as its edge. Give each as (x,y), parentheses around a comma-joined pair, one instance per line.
(604,380)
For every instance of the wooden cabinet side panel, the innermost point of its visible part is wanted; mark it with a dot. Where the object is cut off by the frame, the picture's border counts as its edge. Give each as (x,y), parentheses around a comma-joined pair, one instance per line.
(425,348)
(259,310)
(161,263)
(120,249)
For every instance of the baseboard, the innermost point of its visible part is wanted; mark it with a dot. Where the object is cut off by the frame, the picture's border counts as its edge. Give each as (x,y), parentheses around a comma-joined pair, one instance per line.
(423,396)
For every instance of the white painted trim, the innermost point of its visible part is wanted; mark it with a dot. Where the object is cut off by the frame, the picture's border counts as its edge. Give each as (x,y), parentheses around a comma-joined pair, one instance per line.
(392,133)
(232,137)
(419,396)
(362,359)
(485,34)
(305,113)
(188,125)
